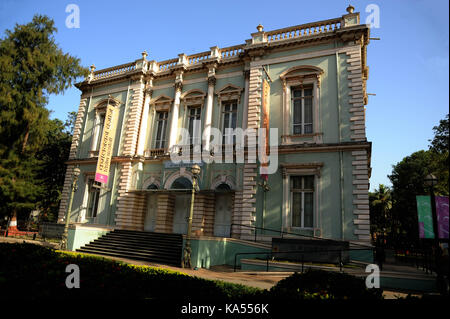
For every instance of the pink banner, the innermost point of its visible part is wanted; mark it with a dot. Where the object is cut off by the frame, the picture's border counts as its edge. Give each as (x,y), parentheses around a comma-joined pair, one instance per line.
(101,178)
(442,216)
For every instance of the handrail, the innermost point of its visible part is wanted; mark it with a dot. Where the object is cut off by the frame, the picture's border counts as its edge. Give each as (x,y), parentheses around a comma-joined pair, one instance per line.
(303,252)
(288,233)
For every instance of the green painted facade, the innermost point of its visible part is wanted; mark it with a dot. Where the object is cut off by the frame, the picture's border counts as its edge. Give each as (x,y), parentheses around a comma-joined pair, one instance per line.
(332,150)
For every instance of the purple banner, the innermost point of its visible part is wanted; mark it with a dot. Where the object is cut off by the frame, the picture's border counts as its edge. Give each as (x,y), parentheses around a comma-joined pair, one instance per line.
(442,216)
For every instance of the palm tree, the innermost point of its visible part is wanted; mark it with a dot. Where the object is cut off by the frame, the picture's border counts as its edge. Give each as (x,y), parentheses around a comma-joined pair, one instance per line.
(380,202)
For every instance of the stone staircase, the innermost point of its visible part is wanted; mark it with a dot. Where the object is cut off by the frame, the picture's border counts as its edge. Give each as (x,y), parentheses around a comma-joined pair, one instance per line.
(138,245)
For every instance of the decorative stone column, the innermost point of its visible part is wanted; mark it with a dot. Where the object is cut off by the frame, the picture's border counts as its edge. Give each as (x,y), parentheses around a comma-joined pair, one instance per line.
(208,114)
(144,119)
(175,111)
(245,113)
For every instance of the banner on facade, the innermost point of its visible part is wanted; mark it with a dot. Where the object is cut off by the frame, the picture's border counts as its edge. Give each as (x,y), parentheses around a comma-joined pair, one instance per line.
(442,216)
(425,216)
(106,145)
(266,111)
(265,126)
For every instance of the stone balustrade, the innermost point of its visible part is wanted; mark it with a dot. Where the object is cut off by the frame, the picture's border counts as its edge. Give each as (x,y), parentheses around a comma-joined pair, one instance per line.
(166,65)
(114,71)
(303,30)
(198,58)
(231,52)
(274,36)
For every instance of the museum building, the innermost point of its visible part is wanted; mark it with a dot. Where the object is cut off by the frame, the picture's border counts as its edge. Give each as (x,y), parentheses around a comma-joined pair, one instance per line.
(307,81)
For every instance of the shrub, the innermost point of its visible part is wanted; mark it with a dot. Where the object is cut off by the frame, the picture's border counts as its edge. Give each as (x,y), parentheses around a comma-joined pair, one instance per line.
(319,284)
(37,272)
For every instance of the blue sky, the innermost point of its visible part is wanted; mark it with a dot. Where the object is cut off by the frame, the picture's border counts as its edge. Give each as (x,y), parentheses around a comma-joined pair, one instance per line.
(408,67)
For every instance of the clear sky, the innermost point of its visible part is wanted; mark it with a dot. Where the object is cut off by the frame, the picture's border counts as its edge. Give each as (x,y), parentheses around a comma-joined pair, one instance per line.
(409,66)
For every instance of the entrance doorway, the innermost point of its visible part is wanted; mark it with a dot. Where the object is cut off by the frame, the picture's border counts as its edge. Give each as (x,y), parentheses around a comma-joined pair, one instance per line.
(152,210)
(223,211)
(182,206)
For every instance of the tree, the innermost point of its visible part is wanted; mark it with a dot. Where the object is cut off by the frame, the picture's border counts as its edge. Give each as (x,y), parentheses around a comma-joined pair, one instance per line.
(440,141)
(32,67)
(380,203)
(52,171)
(440,148)
(408,180)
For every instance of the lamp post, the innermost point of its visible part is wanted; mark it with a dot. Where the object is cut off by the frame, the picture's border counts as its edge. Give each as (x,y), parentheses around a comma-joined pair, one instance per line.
(195,170)
(76,173)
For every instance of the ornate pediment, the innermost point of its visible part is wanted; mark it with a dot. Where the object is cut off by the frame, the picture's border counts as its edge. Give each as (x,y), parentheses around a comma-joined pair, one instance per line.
(301,73)
(193,97)
(230,92)
(101,105)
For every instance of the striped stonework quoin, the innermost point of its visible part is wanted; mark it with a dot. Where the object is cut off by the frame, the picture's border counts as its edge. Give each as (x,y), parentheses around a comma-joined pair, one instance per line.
(356,94)
(361,195)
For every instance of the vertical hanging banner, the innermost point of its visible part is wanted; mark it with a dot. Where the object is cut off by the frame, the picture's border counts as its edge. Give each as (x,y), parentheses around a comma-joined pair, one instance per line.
(442,216)
(107,144)
(265,124)
(425,216)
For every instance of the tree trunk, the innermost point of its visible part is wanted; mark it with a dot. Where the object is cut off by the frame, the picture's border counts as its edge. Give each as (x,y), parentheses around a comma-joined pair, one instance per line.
(25,140)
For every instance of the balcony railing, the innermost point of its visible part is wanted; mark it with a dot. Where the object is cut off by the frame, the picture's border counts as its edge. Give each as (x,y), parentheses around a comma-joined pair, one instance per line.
(155,152)
(304,30)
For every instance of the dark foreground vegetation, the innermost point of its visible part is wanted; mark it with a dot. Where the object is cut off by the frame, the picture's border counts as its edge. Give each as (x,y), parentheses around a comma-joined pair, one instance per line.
(36,272)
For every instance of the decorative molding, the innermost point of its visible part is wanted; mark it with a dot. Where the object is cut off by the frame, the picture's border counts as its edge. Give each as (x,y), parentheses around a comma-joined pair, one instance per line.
(193,97)
(162,100)
(178,86)
(301,73)
(300,168)
(223,179)
(229,92)
(174,176)
(212,81)
(151,180)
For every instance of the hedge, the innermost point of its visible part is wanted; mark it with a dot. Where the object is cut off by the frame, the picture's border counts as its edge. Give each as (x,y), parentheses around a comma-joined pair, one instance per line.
(36,272)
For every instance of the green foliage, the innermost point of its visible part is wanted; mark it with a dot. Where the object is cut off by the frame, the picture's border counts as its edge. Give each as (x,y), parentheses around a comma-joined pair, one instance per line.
(319,284)
(439,143)
(42,271)
(53,155)
(32,67)
(408,181)
(380,203)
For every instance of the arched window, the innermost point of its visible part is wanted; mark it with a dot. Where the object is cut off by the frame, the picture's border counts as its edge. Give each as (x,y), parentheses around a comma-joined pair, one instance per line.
(152,186)
(300,111)
(223,188)
(181,183)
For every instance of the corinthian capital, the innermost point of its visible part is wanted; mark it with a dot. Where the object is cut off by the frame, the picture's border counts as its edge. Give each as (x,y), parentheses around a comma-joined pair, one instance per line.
(178,86)
(211,81)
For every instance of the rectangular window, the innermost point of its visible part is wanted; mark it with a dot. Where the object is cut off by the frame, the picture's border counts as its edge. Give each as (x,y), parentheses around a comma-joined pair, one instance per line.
(195,135)
(302,105)
(93,198)
(161,118)
(229,115)
(302,201)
